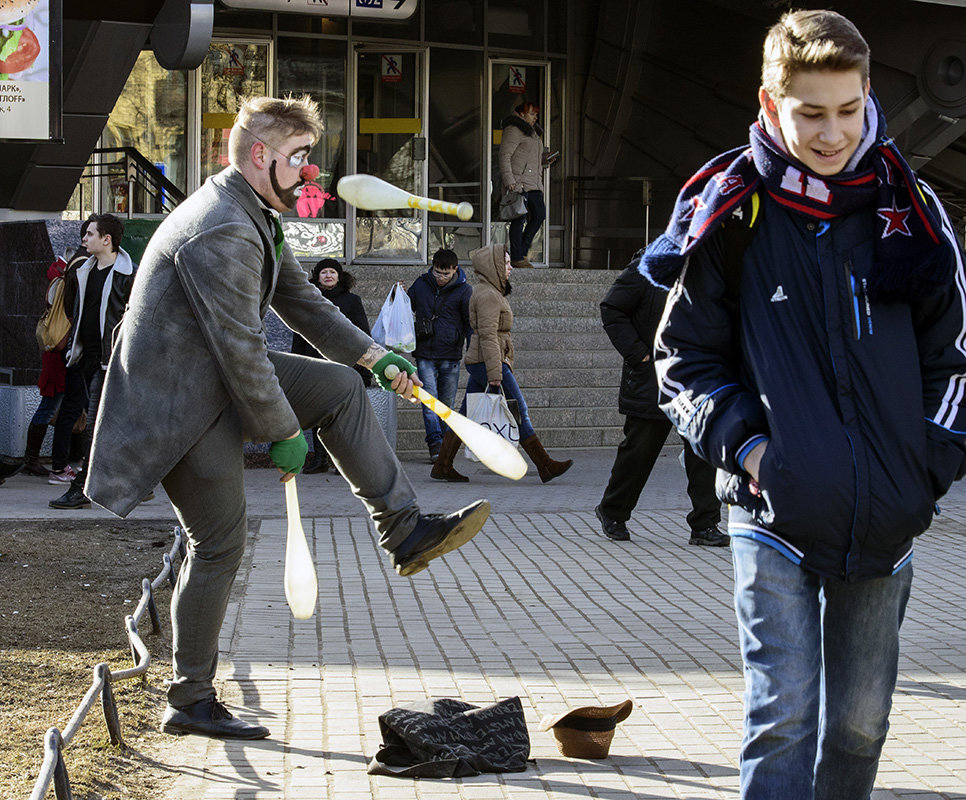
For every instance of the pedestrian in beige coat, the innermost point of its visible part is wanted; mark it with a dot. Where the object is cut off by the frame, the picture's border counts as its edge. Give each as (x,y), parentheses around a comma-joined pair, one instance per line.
(489,361)
(521,168)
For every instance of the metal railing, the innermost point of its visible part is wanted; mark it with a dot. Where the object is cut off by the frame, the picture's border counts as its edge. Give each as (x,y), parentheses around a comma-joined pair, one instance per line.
(155,195)
(55,742)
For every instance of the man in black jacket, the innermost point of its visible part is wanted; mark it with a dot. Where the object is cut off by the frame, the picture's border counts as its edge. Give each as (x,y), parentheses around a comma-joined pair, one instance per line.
(103,284)
(631,311)
(441,305)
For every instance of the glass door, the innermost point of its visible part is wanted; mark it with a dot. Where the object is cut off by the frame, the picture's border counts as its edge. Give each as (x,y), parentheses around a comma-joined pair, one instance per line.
(231,72)
(390,92)
(512,82)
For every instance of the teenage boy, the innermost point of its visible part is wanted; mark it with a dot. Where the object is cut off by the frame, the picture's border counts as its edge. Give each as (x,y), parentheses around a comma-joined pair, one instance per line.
(192,377)
(103,286)
(819,366)
(441,304)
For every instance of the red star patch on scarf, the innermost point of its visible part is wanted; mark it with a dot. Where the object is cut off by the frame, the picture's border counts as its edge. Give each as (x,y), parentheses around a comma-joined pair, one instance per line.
(896,220)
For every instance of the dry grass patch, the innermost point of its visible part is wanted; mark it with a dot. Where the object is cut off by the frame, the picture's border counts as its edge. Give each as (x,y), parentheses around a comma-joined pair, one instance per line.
(65,589)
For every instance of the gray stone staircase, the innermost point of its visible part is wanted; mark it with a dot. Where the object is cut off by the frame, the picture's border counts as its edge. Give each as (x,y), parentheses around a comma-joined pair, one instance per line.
(564,362)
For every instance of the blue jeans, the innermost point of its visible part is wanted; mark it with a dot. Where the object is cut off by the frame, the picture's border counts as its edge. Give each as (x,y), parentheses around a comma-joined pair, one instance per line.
(477,383)
(523,229)
(440,378)
(46,410)
(820,660)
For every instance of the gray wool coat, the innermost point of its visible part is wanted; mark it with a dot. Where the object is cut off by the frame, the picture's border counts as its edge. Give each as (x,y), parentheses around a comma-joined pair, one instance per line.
(192,341)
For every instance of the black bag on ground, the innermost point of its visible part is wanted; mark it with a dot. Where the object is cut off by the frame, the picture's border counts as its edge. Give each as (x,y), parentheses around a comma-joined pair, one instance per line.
(448,738)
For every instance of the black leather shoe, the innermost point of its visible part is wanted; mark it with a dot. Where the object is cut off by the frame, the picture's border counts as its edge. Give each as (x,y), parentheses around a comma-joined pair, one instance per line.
(9,466)
(74,497)
(209,718)
(611,528)
(317,461)
(437,534)
(710,537)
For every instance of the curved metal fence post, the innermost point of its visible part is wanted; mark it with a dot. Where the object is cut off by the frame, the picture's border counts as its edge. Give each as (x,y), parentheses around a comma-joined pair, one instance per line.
(132,626)
(172,578)
(109,704)
(61,782)
(54,770)
(147,589)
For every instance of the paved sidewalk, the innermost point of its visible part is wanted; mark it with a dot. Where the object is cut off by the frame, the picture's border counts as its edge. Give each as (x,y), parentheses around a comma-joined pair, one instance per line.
(538,605)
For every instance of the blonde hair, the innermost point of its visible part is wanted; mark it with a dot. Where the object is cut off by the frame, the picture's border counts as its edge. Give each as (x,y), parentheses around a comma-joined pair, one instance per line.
(272,120)
(811,40)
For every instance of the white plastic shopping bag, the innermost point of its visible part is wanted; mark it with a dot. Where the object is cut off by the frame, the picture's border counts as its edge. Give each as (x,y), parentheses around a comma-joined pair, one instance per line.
(490,410)
(394,327)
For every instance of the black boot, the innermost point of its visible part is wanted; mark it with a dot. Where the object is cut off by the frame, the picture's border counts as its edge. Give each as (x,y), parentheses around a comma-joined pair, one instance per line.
(443,468)
(438,534)
(317,461)
(9,466)
(31,456)
(74,497)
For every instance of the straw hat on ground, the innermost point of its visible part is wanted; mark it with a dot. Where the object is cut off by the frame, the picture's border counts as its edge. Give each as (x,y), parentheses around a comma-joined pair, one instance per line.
(586,732)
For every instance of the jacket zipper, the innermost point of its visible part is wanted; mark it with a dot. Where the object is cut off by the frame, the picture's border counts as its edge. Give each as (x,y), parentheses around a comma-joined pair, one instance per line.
(856,324)
(860,304)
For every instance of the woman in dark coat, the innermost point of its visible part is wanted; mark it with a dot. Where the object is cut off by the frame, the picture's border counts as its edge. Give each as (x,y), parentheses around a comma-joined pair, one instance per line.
(335,285)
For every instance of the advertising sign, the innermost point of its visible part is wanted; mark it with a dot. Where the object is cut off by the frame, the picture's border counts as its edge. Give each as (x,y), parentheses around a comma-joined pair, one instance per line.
(379,10)
(30,70)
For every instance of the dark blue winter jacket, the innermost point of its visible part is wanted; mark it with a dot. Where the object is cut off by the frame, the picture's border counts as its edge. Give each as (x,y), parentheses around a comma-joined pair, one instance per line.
(448,309)
(862,403)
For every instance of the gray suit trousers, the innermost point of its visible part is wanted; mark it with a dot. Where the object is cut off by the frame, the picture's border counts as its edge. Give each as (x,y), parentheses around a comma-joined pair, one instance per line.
(207,490)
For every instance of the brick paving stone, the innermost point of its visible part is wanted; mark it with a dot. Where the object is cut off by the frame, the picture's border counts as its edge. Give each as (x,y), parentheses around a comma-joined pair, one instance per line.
(542,606)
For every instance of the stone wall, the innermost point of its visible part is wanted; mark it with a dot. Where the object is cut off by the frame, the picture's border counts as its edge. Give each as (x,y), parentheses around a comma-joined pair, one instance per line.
(25,254)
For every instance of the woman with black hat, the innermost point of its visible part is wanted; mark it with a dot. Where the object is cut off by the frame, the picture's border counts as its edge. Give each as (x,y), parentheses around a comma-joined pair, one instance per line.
(335,284)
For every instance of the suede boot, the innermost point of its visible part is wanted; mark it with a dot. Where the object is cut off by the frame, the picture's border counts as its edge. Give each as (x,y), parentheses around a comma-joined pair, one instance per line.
(31,456)
(443,468)
(547,468)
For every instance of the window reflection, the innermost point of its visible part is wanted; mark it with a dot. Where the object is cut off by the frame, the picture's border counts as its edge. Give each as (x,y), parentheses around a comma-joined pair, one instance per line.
(150,116)
(317,68)
(230,73)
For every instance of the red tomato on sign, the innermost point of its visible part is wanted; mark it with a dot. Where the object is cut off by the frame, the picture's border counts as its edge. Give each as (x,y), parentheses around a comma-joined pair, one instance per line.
(26,53)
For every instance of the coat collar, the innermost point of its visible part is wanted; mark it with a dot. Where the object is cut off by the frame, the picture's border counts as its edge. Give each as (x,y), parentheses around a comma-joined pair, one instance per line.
(123,265)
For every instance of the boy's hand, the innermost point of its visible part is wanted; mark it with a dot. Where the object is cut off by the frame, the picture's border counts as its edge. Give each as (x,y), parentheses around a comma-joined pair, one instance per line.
(753,460)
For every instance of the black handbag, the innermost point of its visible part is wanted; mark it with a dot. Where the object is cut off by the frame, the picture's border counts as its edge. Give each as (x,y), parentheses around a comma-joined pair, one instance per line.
(424,328)
(513,205)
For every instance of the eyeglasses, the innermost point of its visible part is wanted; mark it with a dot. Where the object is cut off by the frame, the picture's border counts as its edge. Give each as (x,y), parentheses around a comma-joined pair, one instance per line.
(296,160)
(439,271)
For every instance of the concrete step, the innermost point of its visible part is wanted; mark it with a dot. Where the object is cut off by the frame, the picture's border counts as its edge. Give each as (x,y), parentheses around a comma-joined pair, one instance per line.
(565,358)
(527,342)
(542,417)
(584,323)
(413,442)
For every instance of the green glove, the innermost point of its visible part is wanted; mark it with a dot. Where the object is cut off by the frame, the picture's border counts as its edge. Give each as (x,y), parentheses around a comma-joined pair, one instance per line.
(289,454)
(379,369)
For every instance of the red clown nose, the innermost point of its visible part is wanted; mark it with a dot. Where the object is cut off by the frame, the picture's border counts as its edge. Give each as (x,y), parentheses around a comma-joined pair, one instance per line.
(309,172)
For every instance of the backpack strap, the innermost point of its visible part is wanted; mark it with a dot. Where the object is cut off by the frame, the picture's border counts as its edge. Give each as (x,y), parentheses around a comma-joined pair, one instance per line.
(739,229)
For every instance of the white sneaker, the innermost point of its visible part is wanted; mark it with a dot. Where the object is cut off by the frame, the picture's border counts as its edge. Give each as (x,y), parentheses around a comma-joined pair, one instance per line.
(66,475)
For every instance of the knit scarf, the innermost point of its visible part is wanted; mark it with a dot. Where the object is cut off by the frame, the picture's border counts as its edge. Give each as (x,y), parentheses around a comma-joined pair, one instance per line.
(912,256)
